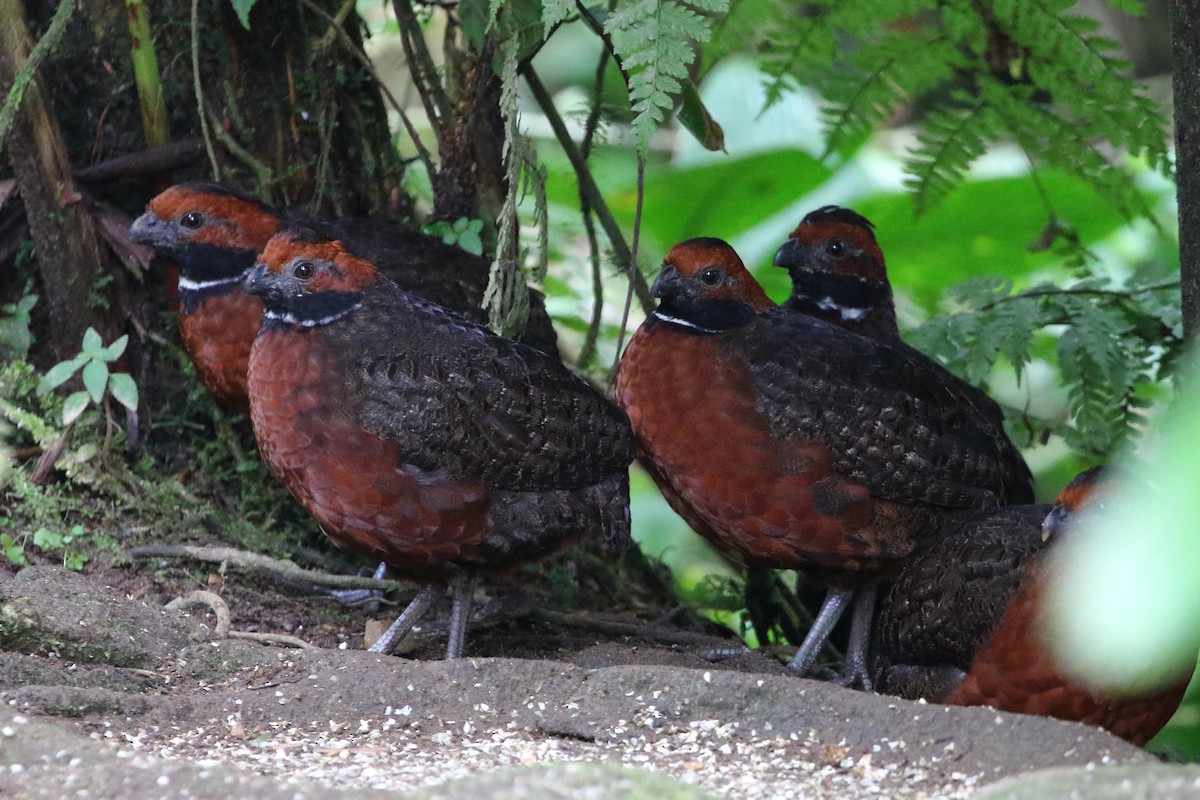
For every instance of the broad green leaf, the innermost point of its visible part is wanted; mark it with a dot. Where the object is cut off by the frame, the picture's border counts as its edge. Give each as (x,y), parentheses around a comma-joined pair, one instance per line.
(58,374)
(1144,541)
(73,406)
(95,379)
(242,9)
(725,198)
(123,390)
(695,117)
(92,343)
(26,304)
(114,350)
(954,241)
(46,539)
(13,551)
(477,17)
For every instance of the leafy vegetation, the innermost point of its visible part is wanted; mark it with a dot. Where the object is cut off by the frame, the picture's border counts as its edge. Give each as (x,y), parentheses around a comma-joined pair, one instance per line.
(98,381)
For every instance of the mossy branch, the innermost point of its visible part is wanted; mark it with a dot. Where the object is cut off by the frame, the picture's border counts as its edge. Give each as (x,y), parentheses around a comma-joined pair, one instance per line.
(58,25)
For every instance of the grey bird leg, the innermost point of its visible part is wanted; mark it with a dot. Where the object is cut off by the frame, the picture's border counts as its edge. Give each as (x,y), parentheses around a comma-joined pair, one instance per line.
(831,611)
(355,597)
(426,599)
(855,672)
(462,593)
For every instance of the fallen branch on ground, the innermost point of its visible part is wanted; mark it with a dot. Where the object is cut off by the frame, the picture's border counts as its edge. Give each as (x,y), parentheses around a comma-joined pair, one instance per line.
(256,561)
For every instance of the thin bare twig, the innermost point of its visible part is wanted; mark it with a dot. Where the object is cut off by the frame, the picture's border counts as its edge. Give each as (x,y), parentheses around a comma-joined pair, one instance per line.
(205,133)
(422,151)
(421,66)
(256,561)
(587,183)
(588,350)
(637,230)
(1171,283)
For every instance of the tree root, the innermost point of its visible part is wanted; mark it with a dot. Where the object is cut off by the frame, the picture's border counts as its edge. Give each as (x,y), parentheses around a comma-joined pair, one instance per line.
(222,629)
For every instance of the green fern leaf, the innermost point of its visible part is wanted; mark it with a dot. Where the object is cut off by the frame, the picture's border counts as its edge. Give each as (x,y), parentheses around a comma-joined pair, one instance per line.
(554,12)
(947,143)
(1101,366)
(655,40)
(879,78)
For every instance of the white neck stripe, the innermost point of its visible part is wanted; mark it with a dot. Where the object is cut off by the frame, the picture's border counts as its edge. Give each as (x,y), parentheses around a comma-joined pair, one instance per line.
(188,285)
(292,319)
(682,322)
(847,312)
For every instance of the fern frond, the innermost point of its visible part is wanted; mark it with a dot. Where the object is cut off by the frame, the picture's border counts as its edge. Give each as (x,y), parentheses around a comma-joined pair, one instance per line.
(1052,140)
(948,141)
(554,12)
(880,78)
(1078,69)
(507,296)
(655,40)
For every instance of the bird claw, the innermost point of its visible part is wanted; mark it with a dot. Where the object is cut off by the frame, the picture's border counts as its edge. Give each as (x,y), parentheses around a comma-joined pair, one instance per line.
(370,599)
(718,654)
(854,677)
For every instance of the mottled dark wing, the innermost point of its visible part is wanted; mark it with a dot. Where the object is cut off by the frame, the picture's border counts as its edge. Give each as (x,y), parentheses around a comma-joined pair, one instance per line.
(1018,480)
(890,419)
(460,399)
(953,591)
(438,272)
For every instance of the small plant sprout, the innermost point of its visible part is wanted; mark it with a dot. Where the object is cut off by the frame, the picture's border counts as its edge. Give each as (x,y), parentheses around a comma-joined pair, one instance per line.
(98,380)
(464,232)
(14,328)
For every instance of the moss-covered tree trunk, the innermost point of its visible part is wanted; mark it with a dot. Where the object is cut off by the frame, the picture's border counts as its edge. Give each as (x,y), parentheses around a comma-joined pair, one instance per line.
(65,240)
(294,115)
(1185,27)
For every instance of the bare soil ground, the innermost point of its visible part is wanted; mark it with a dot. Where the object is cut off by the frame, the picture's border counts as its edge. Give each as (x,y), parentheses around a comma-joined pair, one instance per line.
(107,693)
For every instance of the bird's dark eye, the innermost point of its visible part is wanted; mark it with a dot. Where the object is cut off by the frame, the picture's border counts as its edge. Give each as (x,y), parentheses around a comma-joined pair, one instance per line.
(304,270)
(710,276)
(836,248)
(192,220)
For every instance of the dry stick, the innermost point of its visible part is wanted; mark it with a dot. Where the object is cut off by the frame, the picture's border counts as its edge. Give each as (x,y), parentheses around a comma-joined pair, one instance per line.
(422,151)
(242,558)
(587,184)
(221,629)
(151,162)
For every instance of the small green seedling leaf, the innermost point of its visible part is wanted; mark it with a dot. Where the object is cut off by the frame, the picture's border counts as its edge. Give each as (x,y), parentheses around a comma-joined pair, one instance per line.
(46,539)
(59,374)
(242,9)
(123,390)
(92,343)
(75,405)
(13,551)
(95,379)
(114,350)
